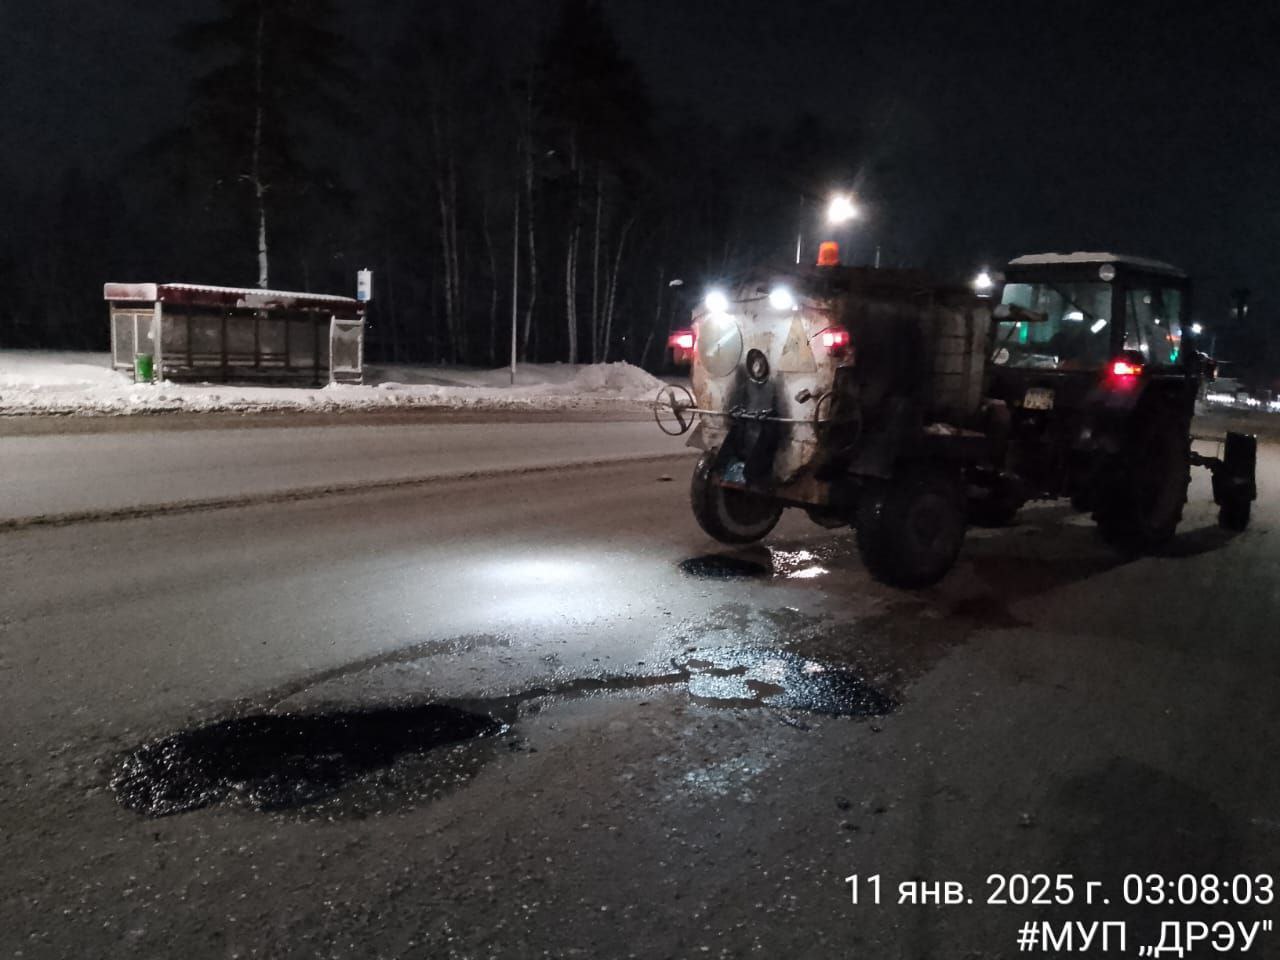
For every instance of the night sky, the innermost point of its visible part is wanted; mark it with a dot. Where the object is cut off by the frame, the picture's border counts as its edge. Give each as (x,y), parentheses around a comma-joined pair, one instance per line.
(994,128)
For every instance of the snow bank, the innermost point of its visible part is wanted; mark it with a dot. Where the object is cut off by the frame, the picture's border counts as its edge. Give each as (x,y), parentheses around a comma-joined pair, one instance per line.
(84,383)
(38,370)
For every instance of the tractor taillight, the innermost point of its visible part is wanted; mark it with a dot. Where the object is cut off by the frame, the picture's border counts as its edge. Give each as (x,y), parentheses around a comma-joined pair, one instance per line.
(1123,374)
(683,340)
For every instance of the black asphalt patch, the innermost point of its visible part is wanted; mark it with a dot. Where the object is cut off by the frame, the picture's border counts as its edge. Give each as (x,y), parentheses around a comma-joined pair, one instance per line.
(277,762)
(721,566)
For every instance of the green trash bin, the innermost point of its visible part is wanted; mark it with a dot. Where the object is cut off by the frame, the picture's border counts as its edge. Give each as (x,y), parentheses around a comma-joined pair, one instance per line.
(144,370)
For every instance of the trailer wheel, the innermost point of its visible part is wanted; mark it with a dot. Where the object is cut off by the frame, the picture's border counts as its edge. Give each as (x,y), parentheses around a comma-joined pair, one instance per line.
(1234,514)
(1235,482)
(910,529)
(730,516)
(1140,504)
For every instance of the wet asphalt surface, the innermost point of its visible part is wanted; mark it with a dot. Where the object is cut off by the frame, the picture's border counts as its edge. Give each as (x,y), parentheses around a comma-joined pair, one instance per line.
(544,716)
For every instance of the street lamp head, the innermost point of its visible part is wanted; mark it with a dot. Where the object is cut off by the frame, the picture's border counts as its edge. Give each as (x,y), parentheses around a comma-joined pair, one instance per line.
(983,283)
(1197,329)
(841,209)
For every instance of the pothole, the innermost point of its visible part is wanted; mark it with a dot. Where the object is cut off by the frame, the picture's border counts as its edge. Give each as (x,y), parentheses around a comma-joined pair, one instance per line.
(277,762)
(760,562)
(723,566)
(750,676)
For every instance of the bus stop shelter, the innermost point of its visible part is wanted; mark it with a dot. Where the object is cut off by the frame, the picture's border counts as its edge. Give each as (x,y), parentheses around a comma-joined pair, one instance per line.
(195,332)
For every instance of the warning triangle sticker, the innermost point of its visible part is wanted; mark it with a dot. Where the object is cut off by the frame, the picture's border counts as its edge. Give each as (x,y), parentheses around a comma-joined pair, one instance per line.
(796,355)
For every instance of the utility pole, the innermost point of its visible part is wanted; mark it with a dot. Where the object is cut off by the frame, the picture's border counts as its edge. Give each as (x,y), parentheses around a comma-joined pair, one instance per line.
(515,284)
(800,230)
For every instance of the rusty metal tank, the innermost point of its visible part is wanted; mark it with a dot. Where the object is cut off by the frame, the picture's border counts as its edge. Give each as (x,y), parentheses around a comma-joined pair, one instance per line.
(801,360)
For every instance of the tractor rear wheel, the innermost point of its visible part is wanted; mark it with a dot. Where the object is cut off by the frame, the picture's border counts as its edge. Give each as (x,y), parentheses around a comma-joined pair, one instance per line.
(1140,503)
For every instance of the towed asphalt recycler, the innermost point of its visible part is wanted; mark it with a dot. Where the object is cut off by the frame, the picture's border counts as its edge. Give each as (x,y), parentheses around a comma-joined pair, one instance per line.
(851,393)
(906,407)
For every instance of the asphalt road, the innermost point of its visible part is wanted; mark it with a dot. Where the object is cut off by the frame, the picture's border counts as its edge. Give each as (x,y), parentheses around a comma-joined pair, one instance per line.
(632,746)
(109,471)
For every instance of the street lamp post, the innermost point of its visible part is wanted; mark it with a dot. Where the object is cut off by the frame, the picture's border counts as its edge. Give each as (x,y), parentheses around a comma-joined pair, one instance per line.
(840,210)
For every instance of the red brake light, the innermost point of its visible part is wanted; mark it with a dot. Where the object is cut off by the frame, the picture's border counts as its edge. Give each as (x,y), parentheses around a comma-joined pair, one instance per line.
(834,338)
(828,254)
(683,339)
(1123,374)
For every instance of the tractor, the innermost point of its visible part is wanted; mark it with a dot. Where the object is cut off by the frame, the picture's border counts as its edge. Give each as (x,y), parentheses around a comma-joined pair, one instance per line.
(1091,389)
(908,407)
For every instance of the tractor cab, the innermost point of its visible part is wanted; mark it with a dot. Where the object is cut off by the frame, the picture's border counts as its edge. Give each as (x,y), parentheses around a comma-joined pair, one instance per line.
(1083,346)
(1070,325)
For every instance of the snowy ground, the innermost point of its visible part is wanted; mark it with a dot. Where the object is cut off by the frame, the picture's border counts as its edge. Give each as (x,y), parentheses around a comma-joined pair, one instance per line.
(83,383)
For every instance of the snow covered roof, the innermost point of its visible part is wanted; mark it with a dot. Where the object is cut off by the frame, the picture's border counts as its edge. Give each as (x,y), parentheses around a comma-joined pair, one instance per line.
(204,295)
(1080,256)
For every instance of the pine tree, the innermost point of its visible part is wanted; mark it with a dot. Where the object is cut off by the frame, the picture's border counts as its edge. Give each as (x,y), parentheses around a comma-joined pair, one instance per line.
(277,78)
(598,123)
